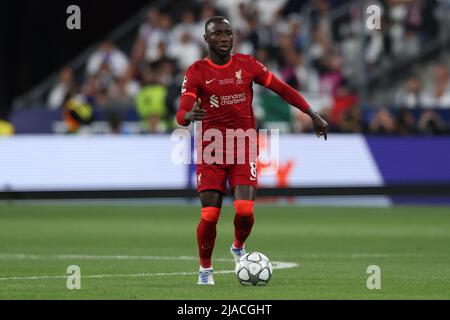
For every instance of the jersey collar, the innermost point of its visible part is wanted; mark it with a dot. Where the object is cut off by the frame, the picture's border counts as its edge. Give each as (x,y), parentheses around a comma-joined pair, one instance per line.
(218,66)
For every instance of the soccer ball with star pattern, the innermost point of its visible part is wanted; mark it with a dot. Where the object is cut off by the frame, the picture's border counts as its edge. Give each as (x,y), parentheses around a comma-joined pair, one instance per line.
(253,269)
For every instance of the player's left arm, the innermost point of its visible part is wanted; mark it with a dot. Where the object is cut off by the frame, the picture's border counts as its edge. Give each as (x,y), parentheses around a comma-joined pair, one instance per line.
(290,95)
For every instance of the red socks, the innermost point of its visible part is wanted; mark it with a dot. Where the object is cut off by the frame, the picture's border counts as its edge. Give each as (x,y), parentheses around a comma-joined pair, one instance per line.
(206,229)
(206,234)
(243,221)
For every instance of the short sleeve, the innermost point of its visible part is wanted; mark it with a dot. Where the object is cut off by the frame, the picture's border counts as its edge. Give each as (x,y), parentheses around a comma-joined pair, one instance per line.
(190,84)
(261,74)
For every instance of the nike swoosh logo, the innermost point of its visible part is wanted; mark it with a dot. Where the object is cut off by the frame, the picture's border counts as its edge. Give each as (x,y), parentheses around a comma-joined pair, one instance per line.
(209,81)
(253,179)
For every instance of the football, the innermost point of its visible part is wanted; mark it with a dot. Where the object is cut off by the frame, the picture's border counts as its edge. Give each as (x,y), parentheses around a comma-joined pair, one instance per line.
(253,269)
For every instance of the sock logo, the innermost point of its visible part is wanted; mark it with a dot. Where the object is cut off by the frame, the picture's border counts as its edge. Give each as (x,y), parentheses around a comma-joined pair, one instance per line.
(207,245)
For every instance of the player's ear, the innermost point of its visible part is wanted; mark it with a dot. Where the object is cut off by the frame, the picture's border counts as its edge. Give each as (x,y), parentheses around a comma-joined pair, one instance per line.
(205,38)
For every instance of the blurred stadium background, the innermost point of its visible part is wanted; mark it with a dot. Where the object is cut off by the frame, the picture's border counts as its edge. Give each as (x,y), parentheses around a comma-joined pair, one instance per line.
(94,108)
(87,115)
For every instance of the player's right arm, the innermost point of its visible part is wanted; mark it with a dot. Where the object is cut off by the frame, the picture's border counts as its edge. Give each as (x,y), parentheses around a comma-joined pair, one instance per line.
(187,112)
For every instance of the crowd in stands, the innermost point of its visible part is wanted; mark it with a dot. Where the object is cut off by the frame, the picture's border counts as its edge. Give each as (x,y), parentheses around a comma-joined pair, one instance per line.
(147,78)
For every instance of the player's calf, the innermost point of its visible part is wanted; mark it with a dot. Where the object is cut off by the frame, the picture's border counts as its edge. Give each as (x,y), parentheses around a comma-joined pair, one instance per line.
(243,223)
(206,235)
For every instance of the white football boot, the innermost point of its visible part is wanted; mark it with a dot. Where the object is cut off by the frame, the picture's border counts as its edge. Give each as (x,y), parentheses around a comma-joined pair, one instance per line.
(237,253)
(205,276)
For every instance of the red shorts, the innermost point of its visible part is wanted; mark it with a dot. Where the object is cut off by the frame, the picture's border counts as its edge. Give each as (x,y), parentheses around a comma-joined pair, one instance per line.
(215,176)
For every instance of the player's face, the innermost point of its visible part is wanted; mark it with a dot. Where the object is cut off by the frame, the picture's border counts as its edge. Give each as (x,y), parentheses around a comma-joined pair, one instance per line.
(219,37)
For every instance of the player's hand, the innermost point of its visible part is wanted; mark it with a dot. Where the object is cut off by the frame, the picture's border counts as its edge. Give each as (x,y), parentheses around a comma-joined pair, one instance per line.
(320,125)
(195,114)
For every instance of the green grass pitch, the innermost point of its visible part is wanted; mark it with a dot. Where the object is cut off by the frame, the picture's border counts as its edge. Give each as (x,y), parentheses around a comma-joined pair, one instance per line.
(149,252)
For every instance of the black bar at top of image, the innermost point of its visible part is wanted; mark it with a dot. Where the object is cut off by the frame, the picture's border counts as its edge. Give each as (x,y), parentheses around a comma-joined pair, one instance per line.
(391,190)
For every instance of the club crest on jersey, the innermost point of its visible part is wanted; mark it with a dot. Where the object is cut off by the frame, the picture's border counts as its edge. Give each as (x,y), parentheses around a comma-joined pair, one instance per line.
(239,77)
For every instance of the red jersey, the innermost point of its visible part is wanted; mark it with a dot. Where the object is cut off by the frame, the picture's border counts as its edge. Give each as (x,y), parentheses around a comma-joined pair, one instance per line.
(225,91)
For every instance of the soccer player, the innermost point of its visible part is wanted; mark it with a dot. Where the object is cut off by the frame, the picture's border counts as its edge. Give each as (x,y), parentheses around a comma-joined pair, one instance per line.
(217,92)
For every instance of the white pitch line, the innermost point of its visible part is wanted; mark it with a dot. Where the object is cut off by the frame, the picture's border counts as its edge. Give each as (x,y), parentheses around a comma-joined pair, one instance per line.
(371,255)
(20,256)
(23,256)
(109,275)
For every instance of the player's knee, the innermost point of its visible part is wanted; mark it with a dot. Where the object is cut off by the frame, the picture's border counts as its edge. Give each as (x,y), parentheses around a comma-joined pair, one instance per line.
(211,214)
(244,208)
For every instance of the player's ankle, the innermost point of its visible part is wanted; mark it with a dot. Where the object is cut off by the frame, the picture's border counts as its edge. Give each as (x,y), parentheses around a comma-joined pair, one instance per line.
(205,263)
(205,268)
(238,246)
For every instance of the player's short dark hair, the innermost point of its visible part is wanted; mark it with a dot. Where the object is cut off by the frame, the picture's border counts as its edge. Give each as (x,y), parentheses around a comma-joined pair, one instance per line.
(214,20)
